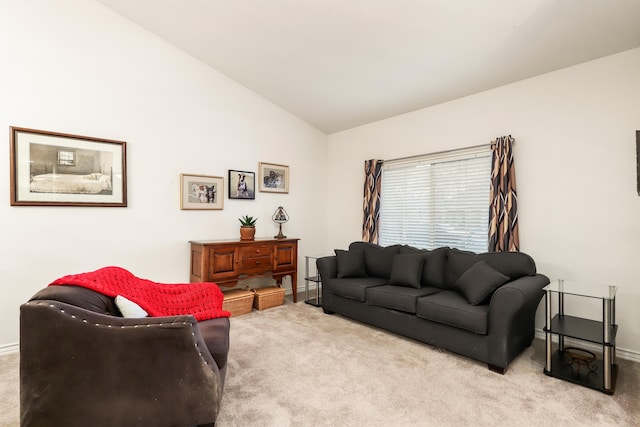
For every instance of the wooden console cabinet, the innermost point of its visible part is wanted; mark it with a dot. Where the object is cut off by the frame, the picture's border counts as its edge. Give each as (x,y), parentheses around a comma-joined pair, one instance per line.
(224,262)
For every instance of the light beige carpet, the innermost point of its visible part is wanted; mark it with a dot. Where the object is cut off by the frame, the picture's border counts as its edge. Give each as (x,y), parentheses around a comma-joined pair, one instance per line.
(9,390)
(295,366)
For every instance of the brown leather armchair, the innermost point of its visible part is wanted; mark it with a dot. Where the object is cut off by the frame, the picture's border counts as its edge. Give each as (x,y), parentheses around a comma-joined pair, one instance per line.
(82,364)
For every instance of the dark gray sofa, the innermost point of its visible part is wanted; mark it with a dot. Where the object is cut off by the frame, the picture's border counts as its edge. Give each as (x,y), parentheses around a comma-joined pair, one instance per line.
(478,305)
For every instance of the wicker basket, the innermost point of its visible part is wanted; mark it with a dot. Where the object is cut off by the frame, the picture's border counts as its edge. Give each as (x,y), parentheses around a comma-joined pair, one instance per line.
(238,301)
(268,297)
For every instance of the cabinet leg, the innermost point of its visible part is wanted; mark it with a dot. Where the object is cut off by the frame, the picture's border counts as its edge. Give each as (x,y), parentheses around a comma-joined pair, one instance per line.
(294,287)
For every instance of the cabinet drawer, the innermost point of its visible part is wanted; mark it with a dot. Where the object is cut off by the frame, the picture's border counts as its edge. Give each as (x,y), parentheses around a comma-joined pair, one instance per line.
(256,251)
(256,265)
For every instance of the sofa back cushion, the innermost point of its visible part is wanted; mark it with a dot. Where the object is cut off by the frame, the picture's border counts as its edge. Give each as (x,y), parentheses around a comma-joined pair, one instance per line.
(406,270)
(435,262)
(350,263)
(511,264)
(443,266)
(457,263)
(434,265)
(479,281)
(80,297)
(378,260)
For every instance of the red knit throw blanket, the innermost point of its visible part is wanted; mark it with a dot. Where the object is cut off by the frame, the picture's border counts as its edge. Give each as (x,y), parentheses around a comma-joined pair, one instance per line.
(202,300)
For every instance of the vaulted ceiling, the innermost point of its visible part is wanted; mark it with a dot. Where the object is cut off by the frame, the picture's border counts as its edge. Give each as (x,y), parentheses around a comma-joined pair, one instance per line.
(338,64)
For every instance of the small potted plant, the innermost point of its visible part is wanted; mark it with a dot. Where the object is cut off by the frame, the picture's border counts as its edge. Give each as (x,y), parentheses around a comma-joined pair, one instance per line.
(248,227)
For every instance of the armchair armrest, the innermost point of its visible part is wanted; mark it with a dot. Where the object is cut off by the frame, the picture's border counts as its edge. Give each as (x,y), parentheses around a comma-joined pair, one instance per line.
(79,367)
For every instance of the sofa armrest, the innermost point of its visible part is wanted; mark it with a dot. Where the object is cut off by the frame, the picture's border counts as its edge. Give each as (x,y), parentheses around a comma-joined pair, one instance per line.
(327,270)
(327,267)
(512,313)
(78,367)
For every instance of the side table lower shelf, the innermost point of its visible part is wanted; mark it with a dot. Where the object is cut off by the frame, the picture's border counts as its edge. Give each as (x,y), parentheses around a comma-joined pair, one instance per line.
(591,376)
(316,300)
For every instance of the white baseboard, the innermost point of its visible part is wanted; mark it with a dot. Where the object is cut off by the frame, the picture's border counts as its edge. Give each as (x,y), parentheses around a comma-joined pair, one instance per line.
(621,353)
(9,349)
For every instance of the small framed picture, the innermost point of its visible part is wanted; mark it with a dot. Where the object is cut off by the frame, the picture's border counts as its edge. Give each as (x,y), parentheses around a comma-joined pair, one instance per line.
(274,178)
(242,185)
(58,169)
(198,192)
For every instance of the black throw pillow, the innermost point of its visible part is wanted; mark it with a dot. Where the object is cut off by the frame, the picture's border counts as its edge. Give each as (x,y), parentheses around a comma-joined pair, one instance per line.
(406,270)
(479,282)
(350,263)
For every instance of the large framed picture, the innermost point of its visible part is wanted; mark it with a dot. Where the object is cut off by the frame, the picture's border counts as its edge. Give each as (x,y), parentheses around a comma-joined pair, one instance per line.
(242,185)
(198,192)
(274,178)
(58,169)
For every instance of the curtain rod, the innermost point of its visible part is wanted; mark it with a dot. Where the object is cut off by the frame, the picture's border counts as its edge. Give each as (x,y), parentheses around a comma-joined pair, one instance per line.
(437,153)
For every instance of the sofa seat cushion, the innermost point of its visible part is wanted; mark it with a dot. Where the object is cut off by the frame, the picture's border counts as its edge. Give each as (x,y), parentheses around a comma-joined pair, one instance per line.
(399,298)
(451,308)
(353,287)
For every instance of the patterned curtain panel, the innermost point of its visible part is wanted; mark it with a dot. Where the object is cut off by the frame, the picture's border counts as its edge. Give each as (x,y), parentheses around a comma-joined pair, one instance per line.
(503,210)
(372,183)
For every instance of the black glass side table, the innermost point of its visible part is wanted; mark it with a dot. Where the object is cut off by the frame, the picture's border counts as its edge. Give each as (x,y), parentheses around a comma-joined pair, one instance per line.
(312,279)
(574,364)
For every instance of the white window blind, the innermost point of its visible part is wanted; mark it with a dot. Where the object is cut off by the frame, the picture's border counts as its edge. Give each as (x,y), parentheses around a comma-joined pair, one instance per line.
(437,200)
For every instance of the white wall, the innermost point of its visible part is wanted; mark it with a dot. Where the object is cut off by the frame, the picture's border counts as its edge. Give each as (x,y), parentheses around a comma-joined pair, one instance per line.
(77,67)
(579,211)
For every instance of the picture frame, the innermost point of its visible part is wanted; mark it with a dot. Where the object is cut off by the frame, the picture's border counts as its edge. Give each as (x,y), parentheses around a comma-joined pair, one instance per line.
(242,185)
(274,178)
(201,192)
(60,169)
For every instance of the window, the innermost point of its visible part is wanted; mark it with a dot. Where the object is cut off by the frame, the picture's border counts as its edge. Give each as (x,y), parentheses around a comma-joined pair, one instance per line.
(437,200)
(66,158)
